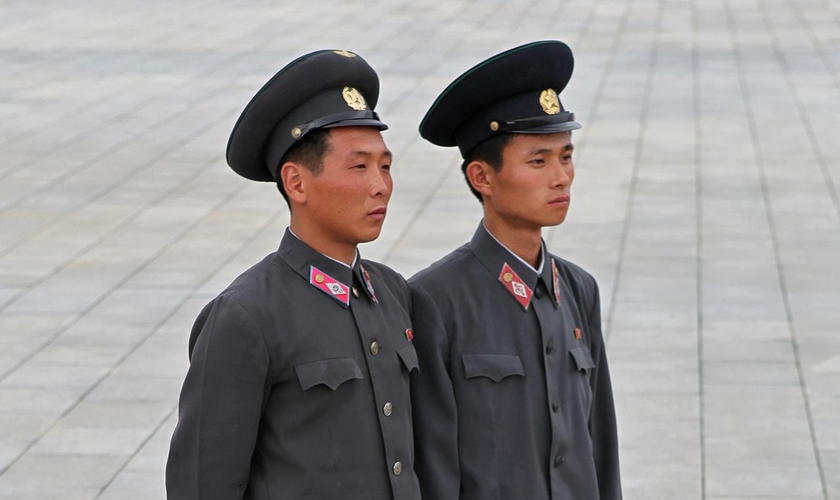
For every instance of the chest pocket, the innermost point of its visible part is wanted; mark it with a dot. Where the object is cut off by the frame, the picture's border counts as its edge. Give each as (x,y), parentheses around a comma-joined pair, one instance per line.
(493,366)
(329,372)
(583,360)
(409,357)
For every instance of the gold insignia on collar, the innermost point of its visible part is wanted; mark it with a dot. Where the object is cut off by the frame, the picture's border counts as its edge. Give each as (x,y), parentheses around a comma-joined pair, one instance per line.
(354,98)
(507,277)
(345,53)
(549,102)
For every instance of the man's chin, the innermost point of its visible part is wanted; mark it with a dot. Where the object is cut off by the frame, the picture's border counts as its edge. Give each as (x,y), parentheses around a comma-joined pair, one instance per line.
(369,235)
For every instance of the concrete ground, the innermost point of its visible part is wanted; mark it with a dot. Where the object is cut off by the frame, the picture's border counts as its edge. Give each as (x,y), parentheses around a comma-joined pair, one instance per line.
(705,203)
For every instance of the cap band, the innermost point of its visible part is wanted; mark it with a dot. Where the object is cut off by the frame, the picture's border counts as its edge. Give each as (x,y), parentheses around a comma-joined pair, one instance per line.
(536,122)
(334,118)
(479,130)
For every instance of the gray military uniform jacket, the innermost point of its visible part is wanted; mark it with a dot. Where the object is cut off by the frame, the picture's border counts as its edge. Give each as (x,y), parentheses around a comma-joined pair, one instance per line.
(298,386)
(513,398)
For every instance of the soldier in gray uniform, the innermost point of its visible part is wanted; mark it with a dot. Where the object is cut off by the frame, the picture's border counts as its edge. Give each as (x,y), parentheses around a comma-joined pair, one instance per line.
(298,385)
(513,398)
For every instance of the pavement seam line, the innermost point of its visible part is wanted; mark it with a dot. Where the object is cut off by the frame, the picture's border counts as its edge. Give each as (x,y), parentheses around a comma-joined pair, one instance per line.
(698,214)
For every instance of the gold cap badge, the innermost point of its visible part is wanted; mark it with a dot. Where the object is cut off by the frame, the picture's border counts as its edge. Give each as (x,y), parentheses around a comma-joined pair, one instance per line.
(549,102)
(345,53)
(354,98)
(296,132)
(494,125)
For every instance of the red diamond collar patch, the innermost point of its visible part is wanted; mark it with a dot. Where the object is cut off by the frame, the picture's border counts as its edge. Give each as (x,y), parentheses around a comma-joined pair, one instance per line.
(329,285)
(515,286)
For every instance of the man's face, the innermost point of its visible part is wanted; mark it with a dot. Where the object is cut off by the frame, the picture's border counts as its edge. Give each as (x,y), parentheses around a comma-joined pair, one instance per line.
(348,197)
(532,189)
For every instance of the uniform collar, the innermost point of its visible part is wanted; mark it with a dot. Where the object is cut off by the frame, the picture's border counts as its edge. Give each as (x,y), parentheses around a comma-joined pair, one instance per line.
(351,266)
(509,269)
(520,259)
(324,272)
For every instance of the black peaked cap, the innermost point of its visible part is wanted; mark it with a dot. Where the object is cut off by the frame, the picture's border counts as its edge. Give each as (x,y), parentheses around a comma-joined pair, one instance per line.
(323,89)
(515,91)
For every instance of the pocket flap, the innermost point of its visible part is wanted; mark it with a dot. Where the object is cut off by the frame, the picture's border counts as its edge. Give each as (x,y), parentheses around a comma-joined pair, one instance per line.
(493,366)
(409,357)
(329,372)
(583,359)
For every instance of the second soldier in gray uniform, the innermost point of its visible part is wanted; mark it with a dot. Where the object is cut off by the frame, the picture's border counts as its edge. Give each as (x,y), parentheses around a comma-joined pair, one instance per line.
(298,385)
(513,398)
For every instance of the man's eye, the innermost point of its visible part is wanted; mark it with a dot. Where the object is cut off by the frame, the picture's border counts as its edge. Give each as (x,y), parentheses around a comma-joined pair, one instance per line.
(386,167)
(360,165)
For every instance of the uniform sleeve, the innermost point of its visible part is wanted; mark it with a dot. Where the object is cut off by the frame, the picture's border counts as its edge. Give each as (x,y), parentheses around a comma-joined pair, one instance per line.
(602,423)
(433,404)
(220,406)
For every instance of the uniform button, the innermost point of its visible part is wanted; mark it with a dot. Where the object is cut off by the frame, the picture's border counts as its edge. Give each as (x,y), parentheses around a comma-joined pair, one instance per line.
(387,409)
(355,292)
(538,292)
(374,348)
(398,468)
(558,460)
(555,407)
(549,347)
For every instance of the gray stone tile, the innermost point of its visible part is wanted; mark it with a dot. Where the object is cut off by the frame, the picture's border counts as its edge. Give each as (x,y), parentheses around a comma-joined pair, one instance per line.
(667,480)
(747,373)
(34,375)
(47,473)
(127,388)
(136,485)
(36,492)
(64,440)
(118,415)
(37,399)
(779,478)
(20,429)
(152,457)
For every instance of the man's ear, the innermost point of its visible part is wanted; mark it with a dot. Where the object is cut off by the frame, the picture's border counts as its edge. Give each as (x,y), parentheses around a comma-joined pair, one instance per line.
(481,177)
(293,177)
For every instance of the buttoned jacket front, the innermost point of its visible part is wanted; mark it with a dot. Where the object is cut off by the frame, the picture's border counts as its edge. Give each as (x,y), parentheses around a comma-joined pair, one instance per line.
(298,386)
(513,398)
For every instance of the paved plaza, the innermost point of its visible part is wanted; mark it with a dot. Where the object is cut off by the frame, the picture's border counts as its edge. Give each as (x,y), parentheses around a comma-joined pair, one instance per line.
(705,203)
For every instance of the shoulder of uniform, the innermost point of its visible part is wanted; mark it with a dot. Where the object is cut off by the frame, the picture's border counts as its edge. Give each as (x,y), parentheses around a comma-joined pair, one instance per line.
(253,274)
(249,289)
(441,269)
(383,271)
(583,284)
(233,306)
(387,276)
(578,273)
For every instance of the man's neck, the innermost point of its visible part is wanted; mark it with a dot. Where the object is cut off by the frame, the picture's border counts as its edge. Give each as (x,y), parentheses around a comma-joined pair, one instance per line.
(341,252)
(525,243)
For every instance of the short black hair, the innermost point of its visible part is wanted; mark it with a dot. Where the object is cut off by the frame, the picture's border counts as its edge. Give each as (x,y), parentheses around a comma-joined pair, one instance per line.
(309,151)
(490,152)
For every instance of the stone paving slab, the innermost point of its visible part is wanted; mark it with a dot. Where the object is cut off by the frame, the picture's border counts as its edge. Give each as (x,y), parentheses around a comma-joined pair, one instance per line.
(706,205)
